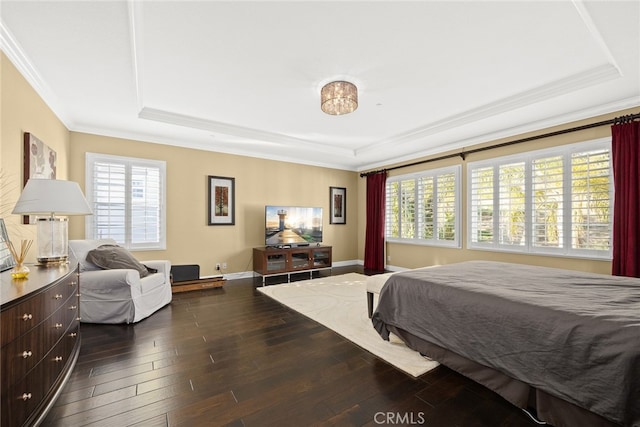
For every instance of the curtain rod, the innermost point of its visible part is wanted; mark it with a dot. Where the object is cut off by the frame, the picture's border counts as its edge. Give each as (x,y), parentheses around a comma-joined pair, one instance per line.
(463,154)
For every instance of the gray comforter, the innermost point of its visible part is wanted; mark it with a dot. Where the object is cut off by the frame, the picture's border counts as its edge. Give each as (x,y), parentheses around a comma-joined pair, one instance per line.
(574,335)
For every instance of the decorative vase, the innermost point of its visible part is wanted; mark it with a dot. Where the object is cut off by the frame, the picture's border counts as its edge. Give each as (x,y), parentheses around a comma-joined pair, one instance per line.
(20,271)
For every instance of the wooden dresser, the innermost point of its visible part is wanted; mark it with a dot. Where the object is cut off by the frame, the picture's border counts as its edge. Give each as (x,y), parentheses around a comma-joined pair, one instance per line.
(40,332)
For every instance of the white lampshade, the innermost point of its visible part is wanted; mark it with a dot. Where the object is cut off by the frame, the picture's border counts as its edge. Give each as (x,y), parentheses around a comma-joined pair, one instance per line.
(52,197)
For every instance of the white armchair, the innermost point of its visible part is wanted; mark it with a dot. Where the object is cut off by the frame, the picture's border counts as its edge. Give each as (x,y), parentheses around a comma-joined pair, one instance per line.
(119,295)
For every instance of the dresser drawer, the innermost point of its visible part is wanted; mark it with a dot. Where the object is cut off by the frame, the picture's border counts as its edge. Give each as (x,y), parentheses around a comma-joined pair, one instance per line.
(20,319)
(58,295)
(23,353)
(55,360)
(22,398)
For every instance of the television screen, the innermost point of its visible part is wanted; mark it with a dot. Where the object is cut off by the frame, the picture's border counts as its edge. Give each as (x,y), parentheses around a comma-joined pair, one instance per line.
(292,225)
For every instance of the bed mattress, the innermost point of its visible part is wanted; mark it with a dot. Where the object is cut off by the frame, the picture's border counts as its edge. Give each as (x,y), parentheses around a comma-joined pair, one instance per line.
(573,335)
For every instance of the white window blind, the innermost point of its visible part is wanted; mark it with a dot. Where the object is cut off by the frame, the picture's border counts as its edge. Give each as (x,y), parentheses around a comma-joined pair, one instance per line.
(556,201)
(511,201)
(591,207)
(548,202)
(423,208)
(127,197)
(481,204)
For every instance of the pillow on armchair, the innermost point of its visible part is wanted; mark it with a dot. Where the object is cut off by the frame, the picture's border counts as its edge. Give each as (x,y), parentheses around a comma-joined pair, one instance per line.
(111,257)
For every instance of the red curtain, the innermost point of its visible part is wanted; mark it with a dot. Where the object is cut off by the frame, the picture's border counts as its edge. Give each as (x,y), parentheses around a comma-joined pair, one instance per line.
(625,149)
(374,237)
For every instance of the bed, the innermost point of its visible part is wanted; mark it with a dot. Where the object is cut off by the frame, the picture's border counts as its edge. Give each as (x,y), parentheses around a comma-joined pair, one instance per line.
(565,343)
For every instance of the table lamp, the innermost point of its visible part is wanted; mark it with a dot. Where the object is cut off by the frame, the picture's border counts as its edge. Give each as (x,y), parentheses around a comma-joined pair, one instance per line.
(47,198)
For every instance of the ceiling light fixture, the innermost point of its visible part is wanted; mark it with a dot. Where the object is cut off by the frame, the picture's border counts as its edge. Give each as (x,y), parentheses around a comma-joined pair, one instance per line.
(339,98)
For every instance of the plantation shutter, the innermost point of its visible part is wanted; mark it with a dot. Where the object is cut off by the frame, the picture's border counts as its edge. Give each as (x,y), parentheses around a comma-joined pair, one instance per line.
(108,201)
(126,195)
(548,202)
(481,195)
(511,201)
(553,201)
(446,206)
(423,208)
(426,219)
(392,210)
(590,200)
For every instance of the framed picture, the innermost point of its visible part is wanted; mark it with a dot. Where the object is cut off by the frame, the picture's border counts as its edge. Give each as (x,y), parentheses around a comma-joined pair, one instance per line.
(222,200)
(39,162)
(338,205)
(6,259)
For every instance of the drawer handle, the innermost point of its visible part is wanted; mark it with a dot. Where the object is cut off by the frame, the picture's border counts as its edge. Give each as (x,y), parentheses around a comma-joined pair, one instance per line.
(58,325)
(58,296)
(73,283)
(26,317)
(73,334)
(58,359)
(26,396)
(26,354)
(73,307)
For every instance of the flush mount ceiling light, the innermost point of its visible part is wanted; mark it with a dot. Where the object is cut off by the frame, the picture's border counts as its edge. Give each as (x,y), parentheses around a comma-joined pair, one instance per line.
(339,98)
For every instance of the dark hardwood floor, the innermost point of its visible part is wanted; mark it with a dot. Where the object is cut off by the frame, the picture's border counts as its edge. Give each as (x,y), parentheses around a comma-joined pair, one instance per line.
(232,356)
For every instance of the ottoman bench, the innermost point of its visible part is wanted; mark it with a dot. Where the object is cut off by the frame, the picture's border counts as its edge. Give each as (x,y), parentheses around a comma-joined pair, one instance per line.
(374,286)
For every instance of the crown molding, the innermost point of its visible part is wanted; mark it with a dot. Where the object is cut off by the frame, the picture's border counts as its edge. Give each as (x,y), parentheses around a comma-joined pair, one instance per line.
(539,125)
(238,131)
(563,86)
(204,146)
(10,46)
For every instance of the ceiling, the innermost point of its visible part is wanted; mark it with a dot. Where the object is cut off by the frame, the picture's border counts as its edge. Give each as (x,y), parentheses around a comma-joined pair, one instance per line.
(244,77)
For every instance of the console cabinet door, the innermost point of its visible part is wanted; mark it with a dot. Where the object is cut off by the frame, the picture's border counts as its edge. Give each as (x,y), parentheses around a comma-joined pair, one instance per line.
(321,257)
(299,259)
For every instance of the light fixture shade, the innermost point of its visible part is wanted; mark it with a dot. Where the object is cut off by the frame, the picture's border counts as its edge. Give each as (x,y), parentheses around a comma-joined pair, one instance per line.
(52,197)
(339,97)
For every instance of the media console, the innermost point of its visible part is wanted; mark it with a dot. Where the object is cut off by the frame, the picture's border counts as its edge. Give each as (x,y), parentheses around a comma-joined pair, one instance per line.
(274,261)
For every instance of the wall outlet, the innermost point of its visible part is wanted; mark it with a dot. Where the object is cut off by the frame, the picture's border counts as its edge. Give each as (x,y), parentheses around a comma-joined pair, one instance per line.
(224,265)
(217,266)
(388,258)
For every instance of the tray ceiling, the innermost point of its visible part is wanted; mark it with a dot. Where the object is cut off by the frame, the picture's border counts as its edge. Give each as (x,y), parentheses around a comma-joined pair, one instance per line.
(244,77)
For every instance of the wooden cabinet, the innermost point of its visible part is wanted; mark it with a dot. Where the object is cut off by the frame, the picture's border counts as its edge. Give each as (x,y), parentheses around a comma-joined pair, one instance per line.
(269,261)
(40,338)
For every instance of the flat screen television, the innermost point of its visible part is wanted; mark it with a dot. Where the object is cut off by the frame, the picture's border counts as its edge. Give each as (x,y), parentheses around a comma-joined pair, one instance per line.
(292,226)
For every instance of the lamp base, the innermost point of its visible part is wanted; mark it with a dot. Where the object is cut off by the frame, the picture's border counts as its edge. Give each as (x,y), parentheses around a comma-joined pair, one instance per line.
(52,241)
(52,261)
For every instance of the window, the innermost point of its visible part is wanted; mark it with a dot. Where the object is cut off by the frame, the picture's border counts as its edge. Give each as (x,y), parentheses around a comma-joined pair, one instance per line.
(556,201)
(127,197)
(424,208)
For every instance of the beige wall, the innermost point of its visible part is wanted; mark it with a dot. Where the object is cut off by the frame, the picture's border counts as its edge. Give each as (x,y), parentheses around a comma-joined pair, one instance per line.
(258,182)
(413,256)
(22,110)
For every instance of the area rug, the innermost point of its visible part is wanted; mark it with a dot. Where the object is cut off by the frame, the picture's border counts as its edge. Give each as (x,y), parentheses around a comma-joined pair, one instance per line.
(340,304)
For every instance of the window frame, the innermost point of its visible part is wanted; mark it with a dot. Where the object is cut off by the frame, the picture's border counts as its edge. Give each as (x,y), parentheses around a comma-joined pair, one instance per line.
(435,240)
(129,163)
(565,152)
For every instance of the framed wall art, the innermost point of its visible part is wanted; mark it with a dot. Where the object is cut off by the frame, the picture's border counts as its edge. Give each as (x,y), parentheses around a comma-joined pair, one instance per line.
(222,201)
(39,162)
(6,259)
(337,205)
